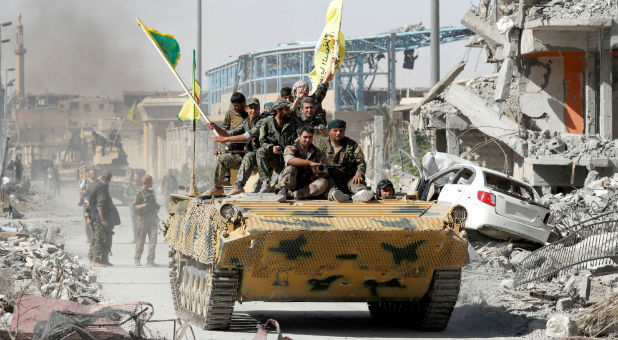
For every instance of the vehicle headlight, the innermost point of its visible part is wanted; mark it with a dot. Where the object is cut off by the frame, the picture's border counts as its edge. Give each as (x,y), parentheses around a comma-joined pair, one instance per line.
(230,212)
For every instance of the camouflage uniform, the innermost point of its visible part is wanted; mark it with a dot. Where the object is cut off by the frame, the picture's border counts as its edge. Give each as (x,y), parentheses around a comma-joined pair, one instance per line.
(270,134)
(101,242)
(318,95)
(235,159)
(344,162)
(232,120)
(130,190)
(88,185)
(147,222)
(302,178)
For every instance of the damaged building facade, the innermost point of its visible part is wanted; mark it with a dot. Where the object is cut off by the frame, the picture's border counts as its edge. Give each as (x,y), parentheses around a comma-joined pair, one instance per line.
(550,112)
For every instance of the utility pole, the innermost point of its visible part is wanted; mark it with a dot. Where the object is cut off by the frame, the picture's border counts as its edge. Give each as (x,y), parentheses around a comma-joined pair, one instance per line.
(198,70)
(435,42)
(2,90)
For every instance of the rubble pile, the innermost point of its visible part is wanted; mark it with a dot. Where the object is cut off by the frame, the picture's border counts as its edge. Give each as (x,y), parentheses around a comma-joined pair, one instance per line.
(563,145)
(576,302)
(53,271)
(571,9)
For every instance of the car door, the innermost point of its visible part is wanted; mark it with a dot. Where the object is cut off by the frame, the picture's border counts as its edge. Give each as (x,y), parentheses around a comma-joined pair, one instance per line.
(458,186)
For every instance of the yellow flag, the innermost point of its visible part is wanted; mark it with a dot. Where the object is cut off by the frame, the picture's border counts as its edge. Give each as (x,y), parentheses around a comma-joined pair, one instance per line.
(81,133)
(330,39)
(189,110)
(130,114)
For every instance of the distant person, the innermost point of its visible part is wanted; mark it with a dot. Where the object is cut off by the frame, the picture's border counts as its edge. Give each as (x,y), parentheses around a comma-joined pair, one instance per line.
(169,184)
(19,169)
(128,193)
(301,178)
(146,208)
(85,187)
(103,216)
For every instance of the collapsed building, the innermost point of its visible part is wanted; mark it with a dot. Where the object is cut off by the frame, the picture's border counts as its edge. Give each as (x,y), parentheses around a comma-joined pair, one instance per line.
(549,114)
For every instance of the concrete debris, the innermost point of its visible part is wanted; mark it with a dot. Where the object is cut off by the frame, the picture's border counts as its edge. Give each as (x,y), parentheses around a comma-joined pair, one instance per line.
(546,144)
(54,272)
(570,9)
(560,325)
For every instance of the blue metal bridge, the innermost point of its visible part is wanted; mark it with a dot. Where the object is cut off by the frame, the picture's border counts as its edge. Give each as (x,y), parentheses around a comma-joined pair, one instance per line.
(269,70)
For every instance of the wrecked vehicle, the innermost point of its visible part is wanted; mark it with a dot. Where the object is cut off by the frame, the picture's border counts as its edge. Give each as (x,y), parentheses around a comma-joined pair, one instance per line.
(499,206)
(401,256)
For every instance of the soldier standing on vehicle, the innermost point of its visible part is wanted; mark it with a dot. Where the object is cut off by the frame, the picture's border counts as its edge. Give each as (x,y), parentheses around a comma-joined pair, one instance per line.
(305,174)
(233,119)
(103,216)
(85,188)
(274,135)
(128,193)
(346,166)
(169,185)
(244,160)
(146,209)
(300,90)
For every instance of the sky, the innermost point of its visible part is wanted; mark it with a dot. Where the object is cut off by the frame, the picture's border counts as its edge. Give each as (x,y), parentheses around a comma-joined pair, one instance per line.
(95,47)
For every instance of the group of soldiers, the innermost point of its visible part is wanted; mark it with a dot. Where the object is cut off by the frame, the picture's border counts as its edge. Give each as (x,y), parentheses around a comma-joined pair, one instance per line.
(101,216)
(281,141)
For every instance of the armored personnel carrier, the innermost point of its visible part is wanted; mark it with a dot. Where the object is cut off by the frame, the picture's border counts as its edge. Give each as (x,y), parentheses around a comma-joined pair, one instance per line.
(401,256)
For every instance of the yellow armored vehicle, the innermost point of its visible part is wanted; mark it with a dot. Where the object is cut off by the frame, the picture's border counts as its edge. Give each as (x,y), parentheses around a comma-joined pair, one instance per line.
(401,256)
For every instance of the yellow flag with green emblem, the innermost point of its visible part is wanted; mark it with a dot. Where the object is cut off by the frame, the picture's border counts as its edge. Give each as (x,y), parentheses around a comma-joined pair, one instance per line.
(166,43)
(189,110)
(330,44)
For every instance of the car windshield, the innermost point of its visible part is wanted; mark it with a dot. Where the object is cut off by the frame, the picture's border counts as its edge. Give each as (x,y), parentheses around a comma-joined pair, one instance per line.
(508,186)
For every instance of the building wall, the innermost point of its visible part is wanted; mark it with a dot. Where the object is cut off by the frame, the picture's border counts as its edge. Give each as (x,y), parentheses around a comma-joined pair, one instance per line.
(552,90)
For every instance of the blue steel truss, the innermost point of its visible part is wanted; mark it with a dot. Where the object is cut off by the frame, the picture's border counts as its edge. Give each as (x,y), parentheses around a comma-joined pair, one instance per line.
(269,70)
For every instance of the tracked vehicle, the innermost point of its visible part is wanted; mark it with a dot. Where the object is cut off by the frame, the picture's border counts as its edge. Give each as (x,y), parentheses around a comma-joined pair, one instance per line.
(401,256)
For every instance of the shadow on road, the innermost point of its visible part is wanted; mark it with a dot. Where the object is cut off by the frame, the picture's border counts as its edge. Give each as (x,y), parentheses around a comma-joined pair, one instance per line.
(478,321)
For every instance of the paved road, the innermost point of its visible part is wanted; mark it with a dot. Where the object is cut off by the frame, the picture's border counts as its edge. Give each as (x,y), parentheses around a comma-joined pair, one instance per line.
(125,282)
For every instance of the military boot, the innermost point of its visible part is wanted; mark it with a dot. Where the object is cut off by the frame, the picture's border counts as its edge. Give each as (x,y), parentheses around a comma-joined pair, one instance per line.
(214,191)
(338,195)
(237,189)
(301,194)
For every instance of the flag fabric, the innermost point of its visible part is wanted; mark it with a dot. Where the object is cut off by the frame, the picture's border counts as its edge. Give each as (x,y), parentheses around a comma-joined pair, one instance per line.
(189,110)
(81,133)
(330,38)
(166,43)
(130,114)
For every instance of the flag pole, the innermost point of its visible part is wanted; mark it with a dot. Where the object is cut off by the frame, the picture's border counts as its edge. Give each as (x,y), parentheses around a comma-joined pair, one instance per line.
(202,114)
(192,188)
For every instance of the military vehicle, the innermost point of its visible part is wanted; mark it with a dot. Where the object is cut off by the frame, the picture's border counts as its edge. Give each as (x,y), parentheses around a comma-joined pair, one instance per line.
(112,159)
(402,256)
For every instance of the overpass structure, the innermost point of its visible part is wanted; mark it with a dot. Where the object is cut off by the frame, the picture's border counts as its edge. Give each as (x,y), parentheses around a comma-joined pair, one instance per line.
(267,71)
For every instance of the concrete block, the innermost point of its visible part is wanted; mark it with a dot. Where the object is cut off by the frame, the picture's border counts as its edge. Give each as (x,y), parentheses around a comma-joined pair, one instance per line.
(456,122)
(564,304)
(560,325)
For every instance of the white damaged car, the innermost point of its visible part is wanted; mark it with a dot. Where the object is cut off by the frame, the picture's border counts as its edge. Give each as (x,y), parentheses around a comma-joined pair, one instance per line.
(498,205)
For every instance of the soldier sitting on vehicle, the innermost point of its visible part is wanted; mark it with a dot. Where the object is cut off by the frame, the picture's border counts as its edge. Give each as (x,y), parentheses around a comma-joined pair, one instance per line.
(346,166)
(308,116)
(305,173)
(274,134)
(242,160)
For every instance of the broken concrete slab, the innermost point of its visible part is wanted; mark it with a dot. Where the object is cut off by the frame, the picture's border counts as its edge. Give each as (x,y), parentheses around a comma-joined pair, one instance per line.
(487,119)
(560,325)
(503,83)
(494,39)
